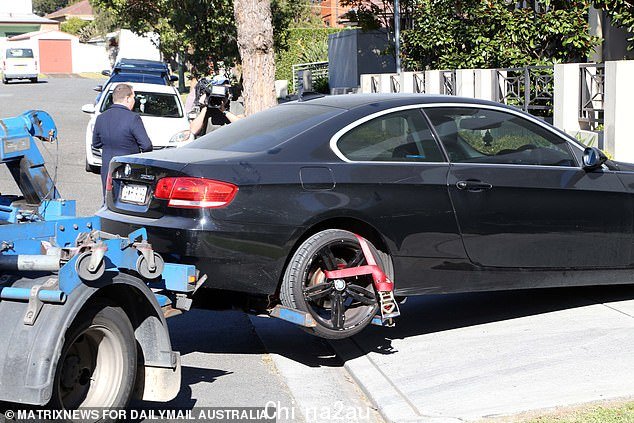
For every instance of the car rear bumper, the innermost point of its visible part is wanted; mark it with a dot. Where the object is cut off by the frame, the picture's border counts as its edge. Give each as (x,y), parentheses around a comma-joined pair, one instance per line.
(9,75)
(236,257)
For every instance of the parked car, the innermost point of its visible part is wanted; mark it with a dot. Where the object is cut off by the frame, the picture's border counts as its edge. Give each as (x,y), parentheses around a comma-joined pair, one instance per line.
(161,111)
(144,78)
(452,194)
(19,63)
(155,67)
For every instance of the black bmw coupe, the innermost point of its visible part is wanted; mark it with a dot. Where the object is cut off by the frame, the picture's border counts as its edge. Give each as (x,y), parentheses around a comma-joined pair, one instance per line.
(452,195)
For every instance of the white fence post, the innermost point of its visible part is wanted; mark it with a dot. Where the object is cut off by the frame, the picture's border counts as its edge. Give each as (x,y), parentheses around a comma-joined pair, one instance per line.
(566,98)
(385,79)
(483,83)
(619,124)
(465,83)
(432,82)
(366,83)
(407,82)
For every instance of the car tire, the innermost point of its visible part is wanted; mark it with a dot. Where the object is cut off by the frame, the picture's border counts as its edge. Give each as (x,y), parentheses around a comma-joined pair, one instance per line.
(305,271)
(5,80)
(98,363)
(34,80)
(92,169)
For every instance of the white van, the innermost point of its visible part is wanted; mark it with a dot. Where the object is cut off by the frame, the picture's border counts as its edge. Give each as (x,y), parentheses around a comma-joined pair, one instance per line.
(19,63)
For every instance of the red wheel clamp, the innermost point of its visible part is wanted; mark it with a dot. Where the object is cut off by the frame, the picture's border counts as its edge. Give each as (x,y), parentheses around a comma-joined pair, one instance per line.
(382,284)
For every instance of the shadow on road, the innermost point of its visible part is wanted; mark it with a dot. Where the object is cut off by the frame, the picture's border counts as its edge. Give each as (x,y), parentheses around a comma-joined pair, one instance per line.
(420,315)
(437,313)
(184,400)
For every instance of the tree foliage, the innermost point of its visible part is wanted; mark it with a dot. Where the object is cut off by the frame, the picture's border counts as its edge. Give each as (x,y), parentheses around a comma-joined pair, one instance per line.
(304,45)
(495,33)
(621,12)
(370,15)
(290,14)
(74,25)
(204,29)
(44,7)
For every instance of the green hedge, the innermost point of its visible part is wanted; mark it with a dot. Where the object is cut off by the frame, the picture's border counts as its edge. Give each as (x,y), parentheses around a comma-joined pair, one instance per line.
(74,25)
(304,45)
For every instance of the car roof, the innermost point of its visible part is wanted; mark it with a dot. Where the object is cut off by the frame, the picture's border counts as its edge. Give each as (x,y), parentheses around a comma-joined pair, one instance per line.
(135,69)
(152,88)
(150,78)
(352,101)
(141,63)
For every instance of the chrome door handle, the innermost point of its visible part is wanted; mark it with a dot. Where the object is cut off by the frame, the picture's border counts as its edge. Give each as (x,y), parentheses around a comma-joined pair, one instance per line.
(473,186)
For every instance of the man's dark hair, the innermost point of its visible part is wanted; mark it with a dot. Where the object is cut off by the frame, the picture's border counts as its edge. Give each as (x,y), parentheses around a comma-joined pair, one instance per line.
(121,92)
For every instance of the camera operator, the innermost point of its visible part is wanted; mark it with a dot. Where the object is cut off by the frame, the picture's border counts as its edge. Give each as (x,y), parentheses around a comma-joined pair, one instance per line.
(213,102)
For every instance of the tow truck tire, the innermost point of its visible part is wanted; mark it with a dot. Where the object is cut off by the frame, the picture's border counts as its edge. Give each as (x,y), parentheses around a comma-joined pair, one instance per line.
(305,270)
(98,363)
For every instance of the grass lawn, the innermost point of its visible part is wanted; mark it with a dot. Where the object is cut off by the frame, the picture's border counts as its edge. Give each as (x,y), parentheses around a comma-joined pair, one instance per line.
(92,75)
(604,412)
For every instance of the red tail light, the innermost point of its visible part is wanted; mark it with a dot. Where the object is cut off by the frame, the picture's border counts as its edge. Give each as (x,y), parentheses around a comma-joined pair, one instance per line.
(195,193)
(109,182)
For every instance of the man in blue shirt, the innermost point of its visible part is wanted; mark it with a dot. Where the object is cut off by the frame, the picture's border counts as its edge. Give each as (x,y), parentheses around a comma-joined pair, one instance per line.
(119,131)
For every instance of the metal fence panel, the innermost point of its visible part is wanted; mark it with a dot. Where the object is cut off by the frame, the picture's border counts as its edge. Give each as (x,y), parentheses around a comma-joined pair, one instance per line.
(529,88)
(318,70)
(448,82)
(592,90)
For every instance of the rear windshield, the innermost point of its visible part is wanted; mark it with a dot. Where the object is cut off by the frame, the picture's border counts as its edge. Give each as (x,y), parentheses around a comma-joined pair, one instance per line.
(25,53)
(266,129)
(141,67)
(152,104)
(138,77)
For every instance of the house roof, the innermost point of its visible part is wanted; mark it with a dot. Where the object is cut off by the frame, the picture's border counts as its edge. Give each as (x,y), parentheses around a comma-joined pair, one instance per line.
(43,34)
(81,8)
(20,18)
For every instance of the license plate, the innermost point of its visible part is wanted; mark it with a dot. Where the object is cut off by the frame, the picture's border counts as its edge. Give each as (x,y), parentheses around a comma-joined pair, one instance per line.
(133,193)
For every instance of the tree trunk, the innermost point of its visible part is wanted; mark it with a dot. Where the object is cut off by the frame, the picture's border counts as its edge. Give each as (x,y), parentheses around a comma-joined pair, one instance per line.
(255,43)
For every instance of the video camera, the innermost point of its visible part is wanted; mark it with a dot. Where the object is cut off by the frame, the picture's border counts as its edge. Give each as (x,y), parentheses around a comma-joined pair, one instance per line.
(217,90)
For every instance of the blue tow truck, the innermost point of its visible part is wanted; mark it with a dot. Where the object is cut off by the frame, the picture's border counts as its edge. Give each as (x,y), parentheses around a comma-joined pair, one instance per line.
(82,312)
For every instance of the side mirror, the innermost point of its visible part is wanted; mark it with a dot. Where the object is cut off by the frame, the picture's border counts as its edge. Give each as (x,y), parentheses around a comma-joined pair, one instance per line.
(593,158)
(105,72)
(173,78)
(98,88)
(88,108)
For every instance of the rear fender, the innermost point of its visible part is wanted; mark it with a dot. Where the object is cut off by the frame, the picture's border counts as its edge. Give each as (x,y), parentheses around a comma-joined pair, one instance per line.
(30,354)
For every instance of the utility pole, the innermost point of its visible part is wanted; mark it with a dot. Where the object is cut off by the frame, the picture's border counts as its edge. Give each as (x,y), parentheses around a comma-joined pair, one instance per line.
(397,35)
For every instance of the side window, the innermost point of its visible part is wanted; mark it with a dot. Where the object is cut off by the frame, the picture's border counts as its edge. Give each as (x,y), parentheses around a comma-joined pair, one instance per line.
(399,136)
(107,102)
(472,135)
